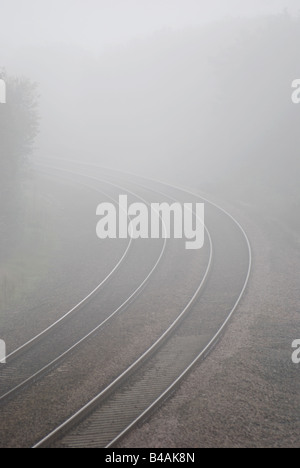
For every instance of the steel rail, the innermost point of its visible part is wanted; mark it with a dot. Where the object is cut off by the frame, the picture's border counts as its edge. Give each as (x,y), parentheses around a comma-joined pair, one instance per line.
(122,307)
(104,394)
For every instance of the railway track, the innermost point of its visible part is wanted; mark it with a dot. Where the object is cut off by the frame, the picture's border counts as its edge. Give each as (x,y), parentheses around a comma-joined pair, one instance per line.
(24,347)
(20,399)
(146,383)
(46,350)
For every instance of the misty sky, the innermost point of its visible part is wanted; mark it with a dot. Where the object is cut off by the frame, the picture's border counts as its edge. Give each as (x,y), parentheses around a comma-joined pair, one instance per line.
(149,104)
(94,24)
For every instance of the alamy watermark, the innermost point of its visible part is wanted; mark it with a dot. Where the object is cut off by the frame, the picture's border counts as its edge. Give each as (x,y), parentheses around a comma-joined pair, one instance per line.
(2,101)
(2,92)
(160,220)
(296,353)
(2,352)
(296,92)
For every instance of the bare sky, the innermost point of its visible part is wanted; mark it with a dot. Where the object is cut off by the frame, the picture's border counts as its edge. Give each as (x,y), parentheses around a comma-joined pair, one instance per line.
(94,24)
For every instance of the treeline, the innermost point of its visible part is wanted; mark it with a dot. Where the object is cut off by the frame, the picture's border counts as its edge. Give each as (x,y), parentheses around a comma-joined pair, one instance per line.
(19,124)
(18,127)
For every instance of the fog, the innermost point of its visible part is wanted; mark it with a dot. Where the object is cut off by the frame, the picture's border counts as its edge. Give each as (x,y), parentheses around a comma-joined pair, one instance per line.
(95,24)
(197,91)
(144,85)
(192,92)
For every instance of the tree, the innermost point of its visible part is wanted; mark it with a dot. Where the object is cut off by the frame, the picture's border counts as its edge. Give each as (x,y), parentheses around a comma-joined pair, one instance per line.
(18,127)
(19,124)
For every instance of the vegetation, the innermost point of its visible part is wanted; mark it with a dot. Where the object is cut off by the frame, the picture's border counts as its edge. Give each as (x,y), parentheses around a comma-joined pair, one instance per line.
(18,127)
(19,124)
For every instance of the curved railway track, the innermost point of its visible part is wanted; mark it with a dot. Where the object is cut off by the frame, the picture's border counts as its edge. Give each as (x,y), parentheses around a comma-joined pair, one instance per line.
(106,418)
(18,402)
(23,348)
(16,376)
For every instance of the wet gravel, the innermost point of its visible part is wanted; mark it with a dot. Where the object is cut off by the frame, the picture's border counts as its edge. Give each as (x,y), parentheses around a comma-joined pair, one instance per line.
(246,393)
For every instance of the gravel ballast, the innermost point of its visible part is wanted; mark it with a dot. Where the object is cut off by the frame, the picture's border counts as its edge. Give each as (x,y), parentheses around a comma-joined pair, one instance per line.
(246,392)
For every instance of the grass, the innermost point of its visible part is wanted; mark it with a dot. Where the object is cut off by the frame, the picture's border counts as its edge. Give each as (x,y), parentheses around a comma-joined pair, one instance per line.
(26,264)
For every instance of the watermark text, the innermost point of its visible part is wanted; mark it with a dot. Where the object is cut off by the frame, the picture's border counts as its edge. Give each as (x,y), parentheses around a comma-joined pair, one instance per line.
(296,353)
(2,352)
(2,92)
(296,92)
(159,221)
